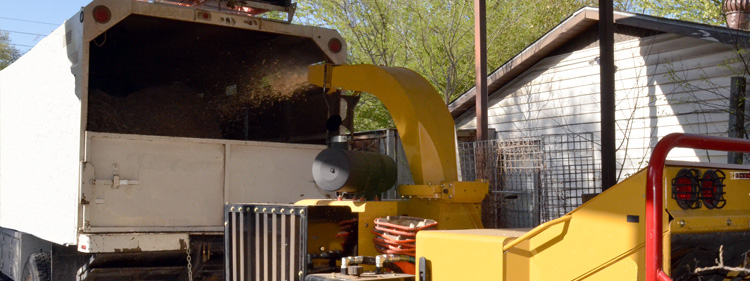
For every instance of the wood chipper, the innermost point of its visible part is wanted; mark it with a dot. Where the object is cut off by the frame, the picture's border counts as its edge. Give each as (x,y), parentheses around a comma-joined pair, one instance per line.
(671,221)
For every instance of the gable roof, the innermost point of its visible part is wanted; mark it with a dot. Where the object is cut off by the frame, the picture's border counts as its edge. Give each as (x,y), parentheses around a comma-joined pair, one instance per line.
(576,24)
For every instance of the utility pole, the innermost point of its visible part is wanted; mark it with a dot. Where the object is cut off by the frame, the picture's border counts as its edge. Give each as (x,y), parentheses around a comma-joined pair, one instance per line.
(480,53)
(607,81)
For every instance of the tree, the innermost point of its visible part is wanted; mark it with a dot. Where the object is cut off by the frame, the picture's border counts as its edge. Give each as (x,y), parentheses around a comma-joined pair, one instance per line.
(8,54)
(434,38)
(702,11)
(372,36)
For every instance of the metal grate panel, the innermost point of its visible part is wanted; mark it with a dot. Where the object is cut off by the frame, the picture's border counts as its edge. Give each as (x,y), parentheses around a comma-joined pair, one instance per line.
(265,242)
(570,173)
(532,179)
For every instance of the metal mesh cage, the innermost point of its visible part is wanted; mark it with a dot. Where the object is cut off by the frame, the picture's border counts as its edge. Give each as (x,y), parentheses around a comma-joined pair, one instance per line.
(532,179)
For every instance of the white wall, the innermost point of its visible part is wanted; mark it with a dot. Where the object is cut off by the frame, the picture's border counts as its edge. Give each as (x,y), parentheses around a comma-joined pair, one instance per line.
(658,81)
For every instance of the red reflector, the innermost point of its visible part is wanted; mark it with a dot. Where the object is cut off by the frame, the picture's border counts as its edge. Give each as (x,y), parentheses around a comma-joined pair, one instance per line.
(334,45)
(712,189)
(685,189)
(102,14)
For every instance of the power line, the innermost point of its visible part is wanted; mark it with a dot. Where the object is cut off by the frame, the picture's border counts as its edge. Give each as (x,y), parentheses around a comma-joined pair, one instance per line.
(21,32)
(31,21)
(21,45)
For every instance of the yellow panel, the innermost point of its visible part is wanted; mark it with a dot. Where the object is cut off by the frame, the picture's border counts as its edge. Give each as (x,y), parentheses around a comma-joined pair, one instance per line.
(322,237)
(596,243)
(598,234)
(448,215)
(463,254)
(622,270)
(734,216)
(367,213)
(453,192)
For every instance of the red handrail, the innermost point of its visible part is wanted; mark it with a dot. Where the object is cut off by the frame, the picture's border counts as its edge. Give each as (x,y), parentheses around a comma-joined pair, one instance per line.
(655,190)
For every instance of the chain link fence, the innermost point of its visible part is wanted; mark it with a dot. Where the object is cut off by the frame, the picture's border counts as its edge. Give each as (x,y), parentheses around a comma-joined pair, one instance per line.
(532,179)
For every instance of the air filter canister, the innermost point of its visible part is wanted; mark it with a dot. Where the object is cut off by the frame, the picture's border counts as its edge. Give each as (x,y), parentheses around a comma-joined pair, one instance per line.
(364,173)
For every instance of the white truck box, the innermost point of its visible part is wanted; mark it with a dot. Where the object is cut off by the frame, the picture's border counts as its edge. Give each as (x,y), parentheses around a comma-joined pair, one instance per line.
(99,149)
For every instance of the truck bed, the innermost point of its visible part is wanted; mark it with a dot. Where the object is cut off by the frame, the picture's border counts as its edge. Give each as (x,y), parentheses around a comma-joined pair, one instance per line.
(150,121)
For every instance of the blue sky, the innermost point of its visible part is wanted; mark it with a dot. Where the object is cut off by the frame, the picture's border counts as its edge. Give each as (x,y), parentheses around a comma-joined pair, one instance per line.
(15,16)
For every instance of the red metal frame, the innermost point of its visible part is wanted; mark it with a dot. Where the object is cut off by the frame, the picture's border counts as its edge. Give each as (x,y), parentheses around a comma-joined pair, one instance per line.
(655,191)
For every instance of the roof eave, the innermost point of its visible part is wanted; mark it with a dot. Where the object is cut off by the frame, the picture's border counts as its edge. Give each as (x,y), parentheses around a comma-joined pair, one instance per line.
(571,27)
(575,25)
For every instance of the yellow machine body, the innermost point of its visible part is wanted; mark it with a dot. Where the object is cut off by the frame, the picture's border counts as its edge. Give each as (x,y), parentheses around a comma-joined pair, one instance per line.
(451,216)
(428,135)
(603,239)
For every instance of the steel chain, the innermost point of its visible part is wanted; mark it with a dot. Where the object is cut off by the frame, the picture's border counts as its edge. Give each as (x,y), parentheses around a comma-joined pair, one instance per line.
(189,264)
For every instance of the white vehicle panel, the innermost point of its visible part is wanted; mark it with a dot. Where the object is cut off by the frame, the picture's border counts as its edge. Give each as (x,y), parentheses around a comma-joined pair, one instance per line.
(40,119)
(135,183)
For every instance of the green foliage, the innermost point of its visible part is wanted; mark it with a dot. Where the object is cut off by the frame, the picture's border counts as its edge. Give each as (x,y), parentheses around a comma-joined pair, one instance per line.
(434,38)
(8,54)
(702,11)
(370,114)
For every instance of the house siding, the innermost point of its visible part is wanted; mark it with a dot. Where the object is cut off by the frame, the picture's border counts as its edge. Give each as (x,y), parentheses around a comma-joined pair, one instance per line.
(665,83)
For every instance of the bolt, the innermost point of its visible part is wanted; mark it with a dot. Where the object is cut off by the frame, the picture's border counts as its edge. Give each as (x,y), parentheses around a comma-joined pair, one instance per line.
(240,209)
(299,273)
(682,223)
(322,249)
(729,222)
(231,209)
(282,210)
(367,225)
(264,210)
(273,210)
(291,211)
(256,209)
(301,212)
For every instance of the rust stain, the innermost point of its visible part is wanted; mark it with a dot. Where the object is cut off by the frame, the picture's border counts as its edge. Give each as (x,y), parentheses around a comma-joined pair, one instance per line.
(183,245)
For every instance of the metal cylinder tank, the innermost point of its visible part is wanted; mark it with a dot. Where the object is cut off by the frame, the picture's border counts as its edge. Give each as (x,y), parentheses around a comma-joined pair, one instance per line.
(364,173)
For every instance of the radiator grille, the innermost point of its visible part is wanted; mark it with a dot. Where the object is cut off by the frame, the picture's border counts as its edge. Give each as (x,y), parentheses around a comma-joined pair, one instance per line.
(265,242)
